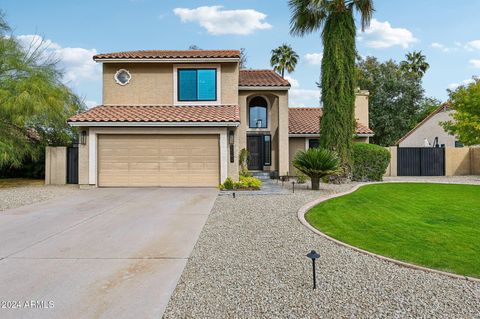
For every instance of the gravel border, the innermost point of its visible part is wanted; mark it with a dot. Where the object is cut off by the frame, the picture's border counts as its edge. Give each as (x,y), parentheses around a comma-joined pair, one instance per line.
(249,262)
(304,210)
(14,197)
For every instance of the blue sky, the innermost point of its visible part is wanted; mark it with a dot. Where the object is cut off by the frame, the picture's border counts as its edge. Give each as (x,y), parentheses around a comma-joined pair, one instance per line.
(75,30)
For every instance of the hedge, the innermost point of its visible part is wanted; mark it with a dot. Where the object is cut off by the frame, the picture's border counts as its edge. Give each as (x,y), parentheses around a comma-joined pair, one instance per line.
(370,162)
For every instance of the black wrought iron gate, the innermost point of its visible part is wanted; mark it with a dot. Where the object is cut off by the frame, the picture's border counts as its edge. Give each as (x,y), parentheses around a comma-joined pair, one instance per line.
(420,161)
(72,165)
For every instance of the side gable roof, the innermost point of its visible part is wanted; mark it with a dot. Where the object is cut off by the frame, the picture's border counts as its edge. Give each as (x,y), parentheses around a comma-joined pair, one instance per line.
(303,120)
(442,108)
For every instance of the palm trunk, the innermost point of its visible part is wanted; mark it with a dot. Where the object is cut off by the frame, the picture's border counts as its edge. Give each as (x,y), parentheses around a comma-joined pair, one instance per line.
(315,183)
(283,72)
(338,86)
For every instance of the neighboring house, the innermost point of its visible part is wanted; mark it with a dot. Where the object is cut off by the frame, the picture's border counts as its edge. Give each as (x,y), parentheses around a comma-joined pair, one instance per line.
(180,118)
(429,131)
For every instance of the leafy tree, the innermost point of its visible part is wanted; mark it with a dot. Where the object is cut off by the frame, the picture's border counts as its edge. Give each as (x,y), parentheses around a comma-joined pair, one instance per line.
(396,101)
(415,64)
(465,100)
(243,58)
(34,103)
(284,58)
(194,47)
(316,163)
(335,19)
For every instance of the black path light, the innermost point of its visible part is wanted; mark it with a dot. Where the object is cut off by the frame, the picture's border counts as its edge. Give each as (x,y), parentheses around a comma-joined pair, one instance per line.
(293,186)
(313,255)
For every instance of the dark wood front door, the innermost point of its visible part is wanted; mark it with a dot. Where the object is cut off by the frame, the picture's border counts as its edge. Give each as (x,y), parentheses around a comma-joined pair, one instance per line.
(254,147)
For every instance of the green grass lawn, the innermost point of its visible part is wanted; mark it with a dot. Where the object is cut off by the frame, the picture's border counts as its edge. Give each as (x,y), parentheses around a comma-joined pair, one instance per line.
(433,225)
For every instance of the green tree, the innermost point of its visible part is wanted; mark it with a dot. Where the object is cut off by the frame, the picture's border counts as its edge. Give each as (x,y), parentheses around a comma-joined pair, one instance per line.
(396,102)
(34,103)
(243,58)
(415,64)
(284,58)
(335,19)
(465,101)
(316,163)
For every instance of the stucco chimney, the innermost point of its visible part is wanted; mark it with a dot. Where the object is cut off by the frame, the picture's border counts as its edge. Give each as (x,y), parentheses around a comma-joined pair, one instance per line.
(361,106)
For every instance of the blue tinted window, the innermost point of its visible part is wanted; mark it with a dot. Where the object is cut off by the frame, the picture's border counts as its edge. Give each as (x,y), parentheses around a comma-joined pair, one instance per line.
(197,85)
(207,85)
(258,113)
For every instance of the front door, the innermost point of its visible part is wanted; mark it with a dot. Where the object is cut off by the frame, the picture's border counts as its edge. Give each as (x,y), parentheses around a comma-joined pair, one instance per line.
(254,147)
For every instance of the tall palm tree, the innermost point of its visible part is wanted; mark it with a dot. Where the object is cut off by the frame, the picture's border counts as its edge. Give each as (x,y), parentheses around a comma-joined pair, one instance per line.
(416,64)
(335,20)
(284,58)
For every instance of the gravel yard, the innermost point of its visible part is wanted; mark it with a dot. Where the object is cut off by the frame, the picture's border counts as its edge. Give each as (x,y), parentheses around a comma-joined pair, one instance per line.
(249,262)
(20,196)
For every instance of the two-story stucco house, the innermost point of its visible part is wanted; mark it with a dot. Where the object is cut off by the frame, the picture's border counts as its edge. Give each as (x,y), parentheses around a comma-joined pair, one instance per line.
(180,118)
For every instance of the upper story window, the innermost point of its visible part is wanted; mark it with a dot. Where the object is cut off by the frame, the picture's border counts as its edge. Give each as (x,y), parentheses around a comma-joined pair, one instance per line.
(258,109)
(197,85)
(122,77)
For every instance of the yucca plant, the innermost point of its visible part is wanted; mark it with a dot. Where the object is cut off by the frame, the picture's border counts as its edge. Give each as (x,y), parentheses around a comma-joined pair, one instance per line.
(316,163)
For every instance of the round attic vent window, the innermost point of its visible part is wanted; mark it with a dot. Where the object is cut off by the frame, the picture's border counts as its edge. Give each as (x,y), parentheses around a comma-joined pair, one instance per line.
(122,77)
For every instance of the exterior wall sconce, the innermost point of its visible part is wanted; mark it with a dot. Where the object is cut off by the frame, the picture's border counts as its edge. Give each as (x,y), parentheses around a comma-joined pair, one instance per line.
(83,137)
(259,123)
(231,142)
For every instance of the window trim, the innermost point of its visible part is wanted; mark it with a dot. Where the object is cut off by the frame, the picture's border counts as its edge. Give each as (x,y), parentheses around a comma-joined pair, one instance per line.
(196,83)
(115,77)
(307,142)
(264,153)
(267,118)
(218,85)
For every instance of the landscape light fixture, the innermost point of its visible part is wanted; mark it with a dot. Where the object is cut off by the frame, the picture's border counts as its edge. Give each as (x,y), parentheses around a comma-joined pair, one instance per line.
(313,255)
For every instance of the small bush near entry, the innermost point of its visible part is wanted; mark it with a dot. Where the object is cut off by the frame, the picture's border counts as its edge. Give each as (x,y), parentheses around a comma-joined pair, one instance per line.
(369,162)
(245,183)
(316,163)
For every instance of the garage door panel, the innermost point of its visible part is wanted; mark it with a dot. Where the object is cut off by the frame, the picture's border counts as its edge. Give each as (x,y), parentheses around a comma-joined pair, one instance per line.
(158,160)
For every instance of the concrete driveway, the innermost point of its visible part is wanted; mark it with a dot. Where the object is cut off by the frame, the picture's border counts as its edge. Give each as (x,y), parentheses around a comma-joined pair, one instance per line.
(100,253)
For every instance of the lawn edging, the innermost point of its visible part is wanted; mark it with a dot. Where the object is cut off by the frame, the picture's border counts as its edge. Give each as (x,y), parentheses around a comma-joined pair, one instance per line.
(305,208)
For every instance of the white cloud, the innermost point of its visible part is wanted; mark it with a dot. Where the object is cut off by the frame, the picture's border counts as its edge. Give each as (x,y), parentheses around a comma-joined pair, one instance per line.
(302,97)
(473,45)
(381,35)
(77,63)
(475,63)
(218,21)
(314,58)
(440,47)
(453,86)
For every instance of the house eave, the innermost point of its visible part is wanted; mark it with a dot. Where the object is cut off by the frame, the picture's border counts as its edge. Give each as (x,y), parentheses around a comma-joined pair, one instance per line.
(161,60)
(263,88)
(154,124)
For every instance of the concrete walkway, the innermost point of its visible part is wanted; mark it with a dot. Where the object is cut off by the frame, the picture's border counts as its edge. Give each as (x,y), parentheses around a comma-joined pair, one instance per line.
(100,253)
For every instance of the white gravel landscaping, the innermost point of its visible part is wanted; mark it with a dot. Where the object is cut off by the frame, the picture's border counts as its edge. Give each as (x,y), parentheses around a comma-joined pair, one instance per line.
(14,197)
(249,262)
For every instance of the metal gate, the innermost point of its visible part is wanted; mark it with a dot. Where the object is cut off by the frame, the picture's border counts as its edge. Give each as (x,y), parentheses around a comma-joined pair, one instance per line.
(72,165)
(420,161)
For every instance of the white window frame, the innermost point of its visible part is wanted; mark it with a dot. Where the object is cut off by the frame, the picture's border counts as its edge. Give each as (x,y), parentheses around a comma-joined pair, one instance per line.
(218,67)
(258,129)
(307,142)
(115,77)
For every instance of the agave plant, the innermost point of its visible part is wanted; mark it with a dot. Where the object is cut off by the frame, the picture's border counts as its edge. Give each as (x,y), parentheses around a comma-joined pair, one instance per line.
(316,163)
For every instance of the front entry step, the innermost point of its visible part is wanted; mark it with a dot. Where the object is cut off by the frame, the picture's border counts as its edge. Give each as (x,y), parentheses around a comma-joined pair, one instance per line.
(261,175)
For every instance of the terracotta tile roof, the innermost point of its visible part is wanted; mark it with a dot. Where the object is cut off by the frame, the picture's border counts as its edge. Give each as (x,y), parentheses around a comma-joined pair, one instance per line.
(441,108)
(261,78)
(303,120)
(155,113)
(170,54)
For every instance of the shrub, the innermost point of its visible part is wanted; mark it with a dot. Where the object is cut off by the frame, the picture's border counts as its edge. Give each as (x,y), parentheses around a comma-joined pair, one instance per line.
(369,162)
(316,163)
(228,184)
(243,162)
(301,178)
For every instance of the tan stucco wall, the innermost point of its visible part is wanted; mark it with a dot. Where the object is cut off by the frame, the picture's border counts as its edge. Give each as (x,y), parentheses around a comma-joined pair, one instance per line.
(277,125)
(55,165)
(457,161)
(295,144)
(83,160)
(475,157)
(430,129)
(361,107)
(392,166)
(152,83)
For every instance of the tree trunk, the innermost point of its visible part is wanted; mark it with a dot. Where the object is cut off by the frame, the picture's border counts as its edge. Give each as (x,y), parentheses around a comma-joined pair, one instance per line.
(315,183)
(283,73)
(338,86)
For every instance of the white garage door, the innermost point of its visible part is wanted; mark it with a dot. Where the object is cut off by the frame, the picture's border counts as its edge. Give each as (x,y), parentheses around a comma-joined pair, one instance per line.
(158,160)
